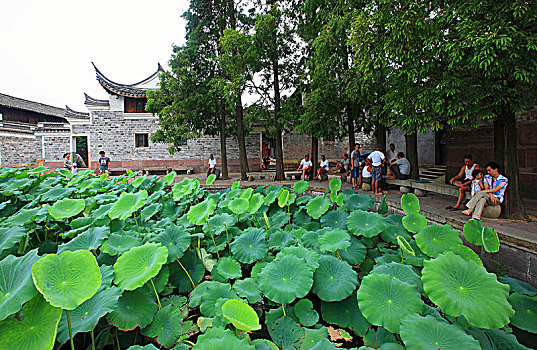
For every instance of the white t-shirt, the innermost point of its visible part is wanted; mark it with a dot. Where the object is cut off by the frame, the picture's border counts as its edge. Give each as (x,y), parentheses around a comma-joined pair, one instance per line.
(391,155)
(212,163)
(365,173)
(305,164)
(324,164)
(376,158)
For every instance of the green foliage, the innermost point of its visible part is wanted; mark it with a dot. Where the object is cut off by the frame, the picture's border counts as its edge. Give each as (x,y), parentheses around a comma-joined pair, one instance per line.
(241,315)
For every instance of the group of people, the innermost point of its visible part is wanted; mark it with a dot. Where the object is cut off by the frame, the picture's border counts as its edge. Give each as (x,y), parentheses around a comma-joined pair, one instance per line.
(103,166)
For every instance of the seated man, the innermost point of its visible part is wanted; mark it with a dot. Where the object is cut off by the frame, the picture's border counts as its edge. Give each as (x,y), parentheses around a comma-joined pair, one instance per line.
(343,166)
(400,168)
(463,180)
(367,173)
(323,168)
(494,192)
(211,169)
(306,166)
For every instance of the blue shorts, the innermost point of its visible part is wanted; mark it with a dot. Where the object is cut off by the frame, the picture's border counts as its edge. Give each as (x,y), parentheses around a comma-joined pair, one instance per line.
(355,172)
(377,173)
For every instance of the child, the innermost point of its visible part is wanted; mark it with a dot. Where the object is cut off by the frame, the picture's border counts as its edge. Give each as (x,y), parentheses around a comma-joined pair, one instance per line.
(74,171)
(477,183)
(104,164)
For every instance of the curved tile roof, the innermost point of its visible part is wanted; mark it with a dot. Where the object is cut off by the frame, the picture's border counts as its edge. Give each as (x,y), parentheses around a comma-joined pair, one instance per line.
(90,101)
(70,113)
(130,90)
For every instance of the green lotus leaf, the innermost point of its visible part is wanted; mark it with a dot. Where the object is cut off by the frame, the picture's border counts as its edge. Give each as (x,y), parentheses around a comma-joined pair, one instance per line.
(491,242)
(385,301)
(241,315)
(249,289)
(345,314)
(16,185)
(405,246)
(11,236)
(424,333)
(332,240)
(286,333)
(16,285)
(285,279)
(334,280)
(335,219)
(138,181)
(377,338)
(117,244)
(134,309)
(170,177)
(137,266)
(160,280)
(435,239)
(229,268)
(355,253)
(309,256)
(466,253)
(199,213)
(263,344)
(383,206)
(36,331)
(317,206)
(250,246)
(145,347)
(57,193)
(210,179)
(247,193)
(66,208)
(283,198)
(358,202)
(410,203)
(38,170)
(404,273)
(127,204)
(195,269)
(168,327)
(334,185)
(270,197)
(472,231)
(461,287)
(217,338)
(525,316)
(279,239)
(255,202)
(67,280)
(518,286)
(176,239)
(215,292)
(149,211)
(185,188)
(414,222)
(390,233)
(495,339)
(300,186)
(23,217)
(82,222)
(305,313)
(367,224)
(88,240)
(239,205)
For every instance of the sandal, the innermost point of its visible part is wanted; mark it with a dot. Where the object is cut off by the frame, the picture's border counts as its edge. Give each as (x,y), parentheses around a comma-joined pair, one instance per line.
(453,209)
(449,207)
(466,212)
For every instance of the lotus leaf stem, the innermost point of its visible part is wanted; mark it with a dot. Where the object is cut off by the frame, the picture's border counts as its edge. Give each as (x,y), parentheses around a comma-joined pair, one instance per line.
(339,256)
(187,274)
(211,232)
(70,330)
(137,227)
(155,289)
(117,341)
(289,216)
(402,257)
(92,340)
(227,239)
(283,309)
(188,342)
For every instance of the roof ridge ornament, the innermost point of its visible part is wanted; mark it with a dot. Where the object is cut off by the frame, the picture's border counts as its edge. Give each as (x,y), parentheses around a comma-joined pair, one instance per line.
(136,90)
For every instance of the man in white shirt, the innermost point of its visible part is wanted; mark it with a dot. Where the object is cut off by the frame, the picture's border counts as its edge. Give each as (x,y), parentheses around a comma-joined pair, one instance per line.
(377,159)
(323,168)
(391,153)
(211,169)
(400,168)
(306,166)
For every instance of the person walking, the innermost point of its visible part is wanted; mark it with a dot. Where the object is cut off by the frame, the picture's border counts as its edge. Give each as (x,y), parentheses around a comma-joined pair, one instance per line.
(211,169)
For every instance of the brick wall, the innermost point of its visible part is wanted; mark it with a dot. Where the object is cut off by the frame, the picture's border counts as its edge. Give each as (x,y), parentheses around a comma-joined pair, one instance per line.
(19,150)
(55,146)
(426,145)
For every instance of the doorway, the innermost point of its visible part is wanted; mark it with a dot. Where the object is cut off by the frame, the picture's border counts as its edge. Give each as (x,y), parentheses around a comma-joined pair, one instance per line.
(81,148)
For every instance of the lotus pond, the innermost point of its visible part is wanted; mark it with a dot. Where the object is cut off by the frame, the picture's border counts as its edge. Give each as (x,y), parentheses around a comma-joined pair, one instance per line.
(137,262)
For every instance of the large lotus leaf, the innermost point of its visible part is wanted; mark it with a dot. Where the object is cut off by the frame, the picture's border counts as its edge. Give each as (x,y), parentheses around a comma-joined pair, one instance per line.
(36,331)
(466,253)
(250,246)
(117,244)
(367,224)
(210,179)
(345,314)
(249,289)
(309,256)
(242,315)
(472,231)
(10,236)
(127,204)
(491,242)
(410,203)
(16,185)
(176,239)
(149,211)
(334,280)
(137,266)
(355,253)
(215,292)
(168,327)
(217,338)
(283,197)
(334,185)
(279,239)
(286,333)
(229,268)
(134,309)
(66,208)
(358,202)
(335,219)
(378,338)
(89,240)
(199,213)
(332,240)
(435,239)
(67,280)
(255,202)
(184,188)
(414,222)
(16,285)
(424,333)
(525,316)
(518,286)
(304,311)
(300,186)
(38,170)
(385,301)
(495,339)
(239,205)
(195,268)
(317,206)
(24,216)
(461,287)
(285,279)
(82,222)
(402,272)
(57,193)
(391,232)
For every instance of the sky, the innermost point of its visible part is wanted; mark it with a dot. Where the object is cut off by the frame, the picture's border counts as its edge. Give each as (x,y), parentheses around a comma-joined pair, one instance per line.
(46,47)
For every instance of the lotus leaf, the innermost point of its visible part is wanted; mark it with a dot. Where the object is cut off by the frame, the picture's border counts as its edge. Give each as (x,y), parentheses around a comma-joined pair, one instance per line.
(435,239)
(11,236)
(280,239)
(285,279)
(461,287)
(255,202)
(405,246)
(199,213)
(250,246)
(146,347)
(23,217)
(518,286)
(241,315)
(89,240)
(491,242)
(525,316)
(217,338)
(127,204)
(283,198)
(466,253)
(82,222)
(263,344)
(335,219)
(210,179)
(117,244)
(229,268)
(37,330)
(317,206)
(168,327)
(217,223)
(247,193)
(358,202)
(404,273)
(333,240)
(355,253)
(305,313)
(472,231)
(149,211)
(137,266)
(300,186)
(16,286)
(239,205)
(286,333)
(414,222)
(334,280)
(216,291)
(197,293)
(66,208)
(134,309)
(38,170)
(495,339)
(195,269)
(345,314)
(270,197)
(67,280)
(385,301)
(378,338)
(410,203)
(309,256)
(363,223)
(424,333)
(168,179)
(249,289)
(176,239)
(57,193)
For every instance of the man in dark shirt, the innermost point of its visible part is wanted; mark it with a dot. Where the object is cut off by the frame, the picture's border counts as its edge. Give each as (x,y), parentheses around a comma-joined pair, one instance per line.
(104,164)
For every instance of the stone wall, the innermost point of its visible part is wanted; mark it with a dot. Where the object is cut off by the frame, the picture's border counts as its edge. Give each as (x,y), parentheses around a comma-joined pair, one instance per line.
(55,146)
(19,150)
(426,144)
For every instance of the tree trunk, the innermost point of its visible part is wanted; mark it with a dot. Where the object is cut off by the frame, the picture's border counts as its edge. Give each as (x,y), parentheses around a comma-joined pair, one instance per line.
(223,151)
(514,206)
(240,138)
(350,127)
(380,134)
(314,153)
(412,154)
(278,153)
(280,175)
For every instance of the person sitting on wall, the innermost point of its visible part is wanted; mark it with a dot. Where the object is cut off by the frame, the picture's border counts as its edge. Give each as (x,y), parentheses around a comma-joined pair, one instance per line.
(366,175)
(493,194)
(306,166)
(343,166)
(463,180)
(391,154)
(400,168)
(211,169)
(266,162)
(67,165)
(378,160)
(323,168)
(104,163)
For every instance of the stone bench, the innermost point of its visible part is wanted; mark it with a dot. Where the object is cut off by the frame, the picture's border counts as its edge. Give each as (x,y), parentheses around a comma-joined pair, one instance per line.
(187,171)
(405,186)
(440,188)
(289,175)
(120,171)
(258,176)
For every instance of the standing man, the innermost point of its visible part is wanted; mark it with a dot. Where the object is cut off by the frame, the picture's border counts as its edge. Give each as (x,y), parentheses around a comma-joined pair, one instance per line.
(463,180)
(211,169)
(377,159)
(355,165)
(306,166)
(495,185)
(104,164)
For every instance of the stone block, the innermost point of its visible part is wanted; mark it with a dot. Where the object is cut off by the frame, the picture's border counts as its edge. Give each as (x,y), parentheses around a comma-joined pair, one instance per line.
(405,189)
(491,211)
(366,187)
(419,193)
